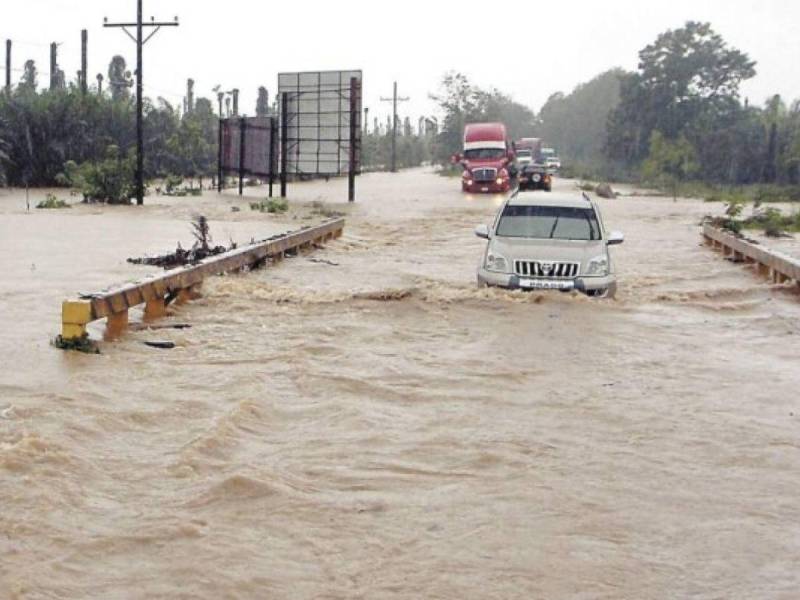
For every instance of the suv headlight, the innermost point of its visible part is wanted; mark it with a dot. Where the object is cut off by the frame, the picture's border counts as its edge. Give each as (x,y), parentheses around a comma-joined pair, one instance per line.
(496,263)
(598,266)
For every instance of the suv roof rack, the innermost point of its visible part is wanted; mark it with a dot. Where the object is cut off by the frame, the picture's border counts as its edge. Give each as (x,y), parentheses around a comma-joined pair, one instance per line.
(586,197)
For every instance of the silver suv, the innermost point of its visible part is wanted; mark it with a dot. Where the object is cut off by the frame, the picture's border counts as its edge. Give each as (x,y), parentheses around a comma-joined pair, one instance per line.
(549,242)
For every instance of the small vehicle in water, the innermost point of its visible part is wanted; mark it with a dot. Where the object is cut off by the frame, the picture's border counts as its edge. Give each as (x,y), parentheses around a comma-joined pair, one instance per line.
(541,242)
(536,176)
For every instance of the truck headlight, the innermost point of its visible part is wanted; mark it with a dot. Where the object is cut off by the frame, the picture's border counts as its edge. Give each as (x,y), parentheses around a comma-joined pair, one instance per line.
(598,266)
(496,263)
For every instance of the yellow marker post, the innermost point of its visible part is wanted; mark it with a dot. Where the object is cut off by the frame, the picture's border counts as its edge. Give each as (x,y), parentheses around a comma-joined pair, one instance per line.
(75,316)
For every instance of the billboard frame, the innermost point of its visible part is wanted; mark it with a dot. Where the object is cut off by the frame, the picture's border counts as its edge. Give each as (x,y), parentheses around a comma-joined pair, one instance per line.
(348,96)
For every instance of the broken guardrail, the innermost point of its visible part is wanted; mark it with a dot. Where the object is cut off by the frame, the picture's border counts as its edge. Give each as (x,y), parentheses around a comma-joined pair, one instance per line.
(779,267)
(181,284)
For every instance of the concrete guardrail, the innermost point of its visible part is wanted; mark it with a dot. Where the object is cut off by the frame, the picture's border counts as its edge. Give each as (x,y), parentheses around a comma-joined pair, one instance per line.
(779,267)
(182,284)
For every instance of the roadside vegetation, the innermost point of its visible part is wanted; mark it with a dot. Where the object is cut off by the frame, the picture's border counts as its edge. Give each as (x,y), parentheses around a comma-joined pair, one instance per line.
(771,221)
(61,137)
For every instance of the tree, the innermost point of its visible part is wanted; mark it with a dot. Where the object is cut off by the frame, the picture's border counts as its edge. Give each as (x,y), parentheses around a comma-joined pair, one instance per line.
(670,162)
(462,103)
(684,73)
(119,79)
(29,81)
(262,104)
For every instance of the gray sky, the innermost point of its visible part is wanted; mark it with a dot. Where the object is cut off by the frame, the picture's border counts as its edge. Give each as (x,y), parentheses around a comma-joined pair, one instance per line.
(240,43)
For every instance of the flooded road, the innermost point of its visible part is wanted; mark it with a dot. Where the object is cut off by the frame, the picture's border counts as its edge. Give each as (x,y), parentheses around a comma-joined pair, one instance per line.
(363,422)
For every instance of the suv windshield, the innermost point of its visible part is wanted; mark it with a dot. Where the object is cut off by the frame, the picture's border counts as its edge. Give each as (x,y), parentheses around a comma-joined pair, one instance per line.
(484,153)
(549,223)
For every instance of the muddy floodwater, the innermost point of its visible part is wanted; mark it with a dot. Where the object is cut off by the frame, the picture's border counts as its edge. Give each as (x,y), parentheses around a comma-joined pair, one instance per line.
(364,422)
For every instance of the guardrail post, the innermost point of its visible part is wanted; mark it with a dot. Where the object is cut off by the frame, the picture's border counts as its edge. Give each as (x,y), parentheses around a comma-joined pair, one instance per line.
(117,325)
(188,294)
(155,309)
(75,316)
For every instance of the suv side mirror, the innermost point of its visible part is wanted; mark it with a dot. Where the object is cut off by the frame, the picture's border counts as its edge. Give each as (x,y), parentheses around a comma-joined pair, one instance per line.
(482,231)
(615,238)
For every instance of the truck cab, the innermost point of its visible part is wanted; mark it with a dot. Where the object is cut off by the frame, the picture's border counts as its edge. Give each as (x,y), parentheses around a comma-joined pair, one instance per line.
(488,159)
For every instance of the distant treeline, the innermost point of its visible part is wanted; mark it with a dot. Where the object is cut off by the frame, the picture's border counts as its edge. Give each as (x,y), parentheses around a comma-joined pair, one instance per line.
(680,116)
(42,131)
(414,146)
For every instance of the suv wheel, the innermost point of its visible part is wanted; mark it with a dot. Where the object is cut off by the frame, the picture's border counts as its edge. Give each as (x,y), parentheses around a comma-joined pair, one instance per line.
(608,293)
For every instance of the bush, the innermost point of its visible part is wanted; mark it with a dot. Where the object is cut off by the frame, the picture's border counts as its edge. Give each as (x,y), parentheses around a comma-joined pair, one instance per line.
(172,183)
(319,209)
(52,202)
(110,180)
(774,223)
(273,205)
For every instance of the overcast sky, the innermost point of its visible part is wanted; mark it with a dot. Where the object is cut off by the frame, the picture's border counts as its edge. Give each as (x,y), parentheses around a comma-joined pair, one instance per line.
(525,48)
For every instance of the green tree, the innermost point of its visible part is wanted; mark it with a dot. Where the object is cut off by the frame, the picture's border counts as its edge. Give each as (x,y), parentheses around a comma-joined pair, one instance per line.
(262,104)
(119,79)
(670,162)
(29,81)
(684,73)
(461,102)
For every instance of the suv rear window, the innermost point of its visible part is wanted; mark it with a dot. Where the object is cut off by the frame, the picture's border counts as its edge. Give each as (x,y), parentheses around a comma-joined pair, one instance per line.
(549,223)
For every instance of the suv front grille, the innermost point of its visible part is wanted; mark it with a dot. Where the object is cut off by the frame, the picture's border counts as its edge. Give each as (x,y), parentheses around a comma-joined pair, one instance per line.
(547,270)
(483,175)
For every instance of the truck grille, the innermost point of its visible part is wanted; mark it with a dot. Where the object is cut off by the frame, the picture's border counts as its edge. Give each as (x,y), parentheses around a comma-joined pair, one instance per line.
(484,175)
(547,270)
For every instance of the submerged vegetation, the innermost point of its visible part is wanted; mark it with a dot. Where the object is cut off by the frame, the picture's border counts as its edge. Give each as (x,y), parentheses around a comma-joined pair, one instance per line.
(271,205)
(52,202)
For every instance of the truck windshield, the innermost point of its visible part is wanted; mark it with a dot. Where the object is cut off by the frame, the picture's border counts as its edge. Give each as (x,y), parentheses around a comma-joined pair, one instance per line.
(484,153)
(524,153)
(549,223)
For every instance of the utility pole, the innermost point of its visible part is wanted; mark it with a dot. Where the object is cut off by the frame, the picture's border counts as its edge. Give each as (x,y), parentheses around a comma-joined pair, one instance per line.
(8,66)
(84,61)
(99,84)
(53,65)
(140,41)
(394,100)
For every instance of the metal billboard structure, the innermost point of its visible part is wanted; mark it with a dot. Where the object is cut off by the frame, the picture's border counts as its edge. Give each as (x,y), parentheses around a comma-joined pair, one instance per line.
(248,146)
(320,125)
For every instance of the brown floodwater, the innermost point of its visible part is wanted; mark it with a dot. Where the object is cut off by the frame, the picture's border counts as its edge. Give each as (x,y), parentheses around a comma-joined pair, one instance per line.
(364,422)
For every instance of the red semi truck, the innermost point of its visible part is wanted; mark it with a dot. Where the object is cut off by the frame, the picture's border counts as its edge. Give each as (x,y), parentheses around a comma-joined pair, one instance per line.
(488,159)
